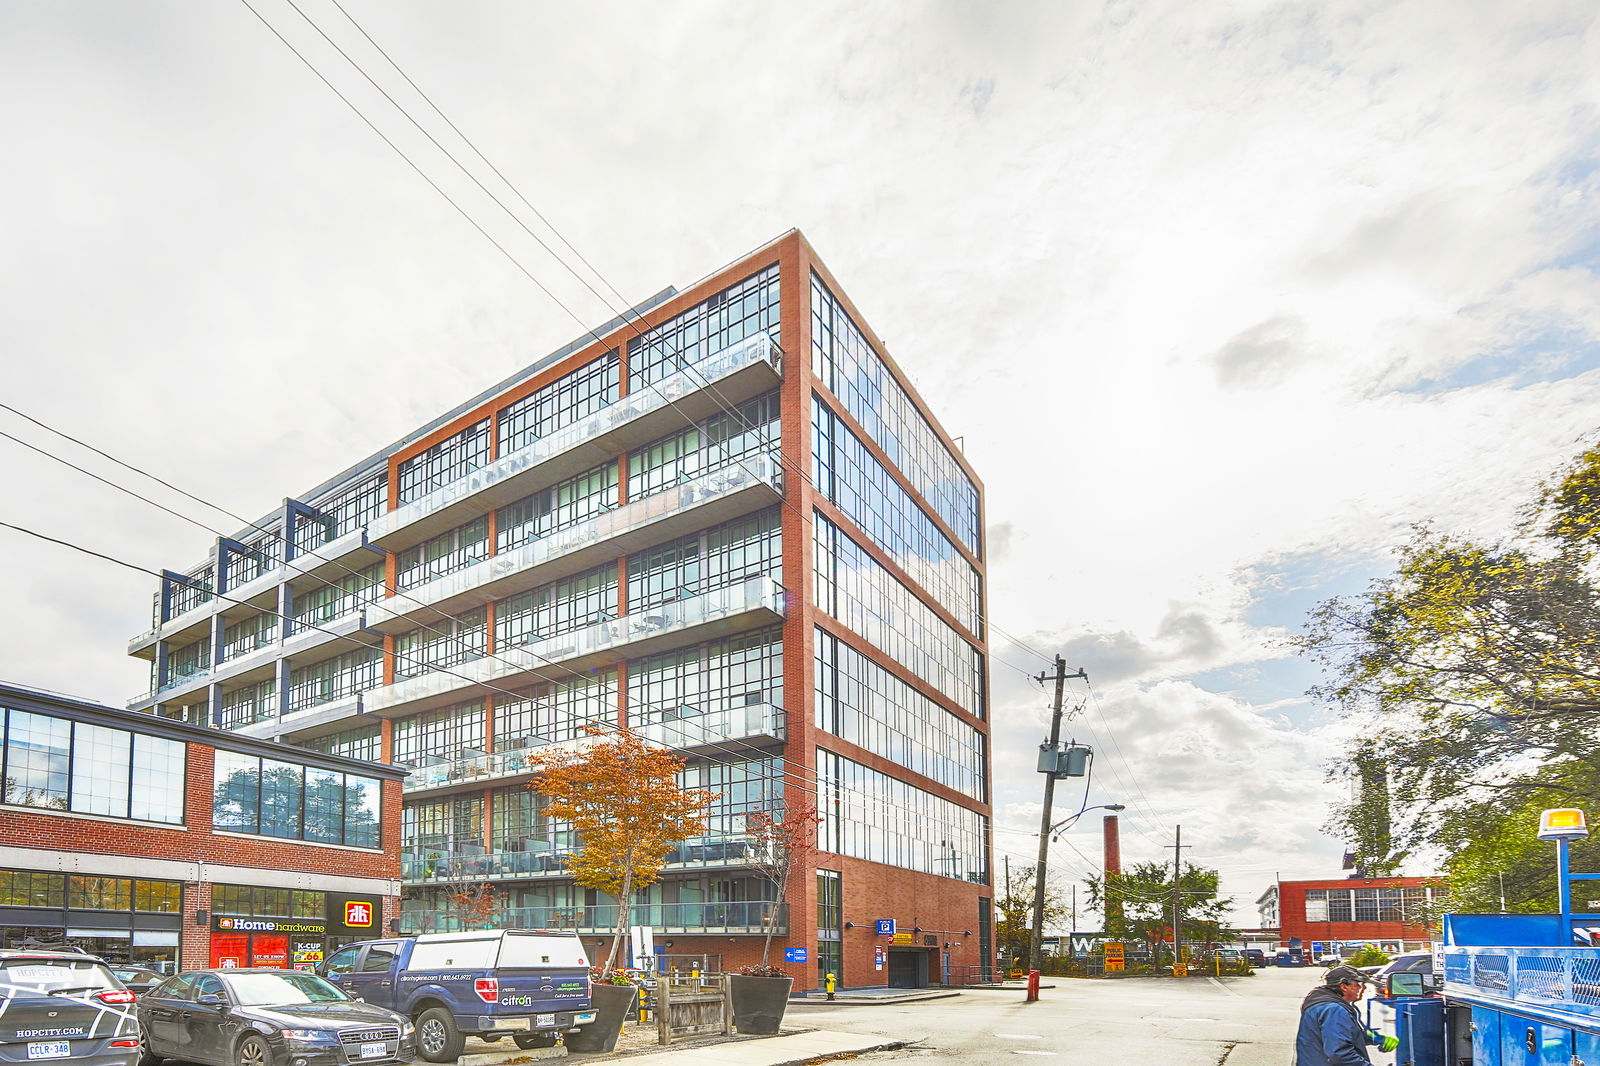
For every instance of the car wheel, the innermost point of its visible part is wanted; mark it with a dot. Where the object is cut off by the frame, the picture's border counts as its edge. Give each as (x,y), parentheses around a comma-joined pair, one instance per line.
(529,1041)
(438,1039)
(146,1056)
(253,1051)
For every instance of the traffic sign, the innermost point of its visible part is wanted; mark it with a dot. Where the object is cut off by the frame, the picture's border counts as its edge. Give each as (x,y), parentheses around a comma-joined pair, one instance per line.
(886,927)
(1113,965)
(794,954)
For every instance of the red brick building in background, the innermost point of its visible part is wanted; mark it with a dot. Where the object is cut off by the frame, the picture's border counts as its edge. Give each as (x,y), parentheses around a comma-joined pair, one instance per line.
(726,521)
(1337,916)
(149,841)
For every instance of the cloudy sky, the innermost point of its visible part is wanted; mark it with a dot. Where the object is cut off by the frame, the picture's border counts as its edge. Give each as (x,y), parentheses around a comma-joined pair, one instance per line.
(1220,298)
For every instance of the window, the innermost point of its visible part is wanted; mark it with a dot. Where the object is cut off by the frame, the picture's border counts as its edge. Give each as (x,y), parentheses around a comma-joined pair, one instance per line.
(703,562)
(27,888)
(442,733)
(112,772)
(339,596)
(574,500)
(555,711)
(853,588)
(267,797)
(849,475)
(441,645)
(870,815)
(450,551)
(737,312)
(1316,905)
(344,512)
(364,743)
(859,701)
(336,678)
(561,403)
(723,439)
(250,704)
(248,635)
(452,458)
(850,369)
(557,608)
(99,893)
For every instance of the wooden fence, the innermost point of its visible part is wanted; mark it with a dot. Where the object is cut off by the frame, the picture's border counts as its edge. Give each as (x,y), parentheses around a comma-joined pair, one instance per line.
(689,1006)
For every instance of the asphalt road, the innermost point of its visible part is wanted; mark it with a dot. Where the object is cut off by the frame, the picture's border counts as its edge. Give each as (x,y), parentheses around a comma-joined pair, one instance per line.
(1232,1021)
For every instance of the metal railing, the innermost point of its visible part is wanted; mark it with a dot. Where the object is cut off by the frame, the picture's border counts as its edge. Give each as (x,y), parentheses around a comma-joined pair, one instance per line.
(747,917)
(419,865)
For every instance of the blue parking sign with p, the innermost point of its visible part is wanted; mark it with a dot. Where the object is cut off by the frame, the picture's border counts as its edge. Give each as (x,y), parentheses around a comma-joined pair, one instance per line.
(886,927)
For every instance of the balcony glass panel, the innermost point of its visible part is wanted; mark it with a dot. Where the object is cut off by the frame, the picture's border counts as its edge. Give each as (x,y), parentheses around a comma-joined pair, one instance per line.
(743,916)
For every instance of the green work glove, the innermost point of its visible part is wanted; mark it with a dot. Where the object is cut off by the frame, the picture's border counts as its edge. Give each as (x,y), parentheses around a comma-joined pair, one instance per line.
(1388,1043)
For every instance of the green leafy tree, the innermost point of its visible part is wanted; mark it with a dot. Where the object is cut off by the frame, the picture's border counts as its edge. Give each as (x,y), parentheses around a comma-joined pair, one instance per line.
(1145,892)
(1473,675)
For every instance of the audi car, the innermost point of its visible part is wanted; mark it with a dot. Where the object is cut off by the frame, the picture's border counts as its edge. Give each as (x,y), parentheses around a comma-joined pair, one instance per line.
(260,1017)
(66,1006)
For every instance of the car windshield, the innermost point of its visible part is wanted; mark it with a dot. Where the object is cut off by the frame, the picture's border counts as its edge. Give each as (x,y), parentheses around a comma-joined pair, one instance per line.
(53,975)
(281,989)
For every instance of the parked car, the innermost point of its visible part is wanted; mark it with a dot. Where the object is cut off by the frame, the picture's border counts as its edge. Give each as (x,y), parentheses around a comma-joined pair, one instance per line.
(1411,962)
(138,979)
(1330,961)
(59,1005)
(1255,957)
(260,1017)
(533,985)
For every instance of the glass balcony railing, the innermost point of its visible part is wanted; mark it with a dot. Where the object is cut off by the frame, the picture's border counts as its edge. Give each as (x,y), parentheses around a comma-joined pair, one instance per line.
(686,727)
(748,596)
(743,916)
(581,541)
(534,858)
(757,349)
(674,727)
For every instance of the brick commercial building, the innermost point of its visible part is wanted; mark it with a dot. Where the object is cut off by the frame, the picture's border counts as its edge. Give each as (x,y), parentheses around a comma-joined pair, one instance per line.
(168,845)
(1337,916)
(728,523)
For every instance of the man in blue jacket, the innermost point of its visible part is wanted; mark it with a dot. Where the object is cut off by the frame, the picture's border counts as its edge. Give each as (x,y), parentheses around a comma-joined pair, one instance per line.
(1331,1033)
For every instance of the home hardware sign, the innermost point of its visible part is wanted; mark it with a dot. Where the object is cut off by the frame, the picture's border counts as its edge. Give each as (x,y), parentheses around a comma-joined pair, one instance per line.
(267,925)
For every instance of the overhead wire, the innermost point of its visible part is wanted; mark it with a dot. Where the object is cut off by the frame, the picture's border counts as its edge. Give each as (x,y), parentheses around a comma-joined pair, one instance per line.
(793,463)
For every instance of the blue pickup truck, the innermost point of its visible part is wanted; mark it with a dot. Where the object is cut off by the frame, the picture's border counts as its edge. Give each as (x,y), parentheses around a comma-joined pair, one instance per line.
(527,984)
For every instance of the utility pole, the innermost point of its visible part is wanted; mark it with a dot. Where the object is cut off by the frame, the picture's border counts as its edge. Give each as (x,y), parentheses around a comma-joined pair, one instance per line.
(1177,847)
(1035,944)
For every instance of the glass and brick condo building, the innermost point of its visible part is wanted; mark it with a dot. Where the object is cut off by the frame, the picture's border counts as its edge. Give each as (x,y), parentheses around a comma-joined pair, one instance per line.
(728,523)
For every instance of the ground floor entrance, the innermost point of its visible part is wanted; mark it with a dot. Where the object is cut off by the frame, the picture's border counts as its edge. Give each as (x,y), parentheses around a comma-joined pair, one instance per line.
(909,967)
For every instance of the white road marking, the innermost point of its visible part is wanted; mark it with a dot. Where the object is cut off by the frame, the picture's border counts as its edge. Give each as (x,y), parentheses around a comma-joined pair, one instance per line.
(1017,1036)
(1021,1051)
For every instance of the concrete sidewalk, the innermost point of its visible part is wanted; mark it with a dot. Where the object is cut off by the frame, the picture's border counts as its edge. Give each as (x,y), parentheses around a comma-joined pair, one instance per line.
(760,1050)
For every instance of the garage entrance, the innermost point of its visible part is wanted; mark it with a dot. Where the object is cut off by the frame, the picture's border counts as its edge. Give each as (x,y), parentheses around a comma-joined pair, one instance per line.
(908,967)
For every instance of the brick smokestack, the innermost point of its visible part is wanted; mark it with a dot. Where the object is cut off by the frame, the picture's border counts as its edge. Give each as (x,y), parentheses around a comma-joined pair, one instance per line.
(1111,835)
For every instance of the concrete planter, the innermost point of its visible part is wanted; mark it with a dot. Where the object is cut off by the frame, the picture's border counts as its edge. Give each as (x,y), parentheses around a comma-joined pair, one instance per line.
(758,1002)
(611,1005)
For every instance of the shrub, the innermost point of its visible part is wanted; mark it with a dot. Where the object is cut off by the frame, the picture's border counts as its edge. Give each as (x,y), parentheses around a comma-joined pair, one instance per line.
(761,969)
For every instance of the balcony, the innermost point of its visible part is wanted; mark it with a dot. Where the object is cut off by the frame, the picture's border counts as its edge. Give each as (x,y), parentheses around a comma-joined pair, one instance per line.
(329,561)
(745,917)
(680,728)
(731,376)
(536,859)
(687,729)
(754,602)
(707,500)
(260,662)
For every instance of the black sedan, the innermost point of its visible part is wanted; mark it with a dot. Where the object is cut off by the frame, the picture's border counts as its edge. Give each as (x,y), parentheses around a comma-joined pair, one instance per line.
(267,1018)
(137,979)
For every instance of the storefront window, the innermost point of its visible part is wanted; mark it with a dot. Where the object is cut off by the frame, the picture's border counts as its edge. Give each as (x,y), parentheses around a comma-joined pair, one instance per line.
(160,896)
(100,894)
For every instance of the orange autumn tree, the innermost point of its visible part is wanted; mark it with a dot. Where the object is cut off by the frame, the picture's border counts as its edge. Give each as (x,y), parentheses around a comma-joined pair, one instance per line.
(622,797)
(780,843)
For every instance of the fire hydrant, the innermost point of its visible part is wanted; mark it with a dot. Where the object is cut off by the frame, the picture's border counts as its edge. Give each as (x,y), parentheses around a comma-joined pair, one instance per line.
(831,984)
